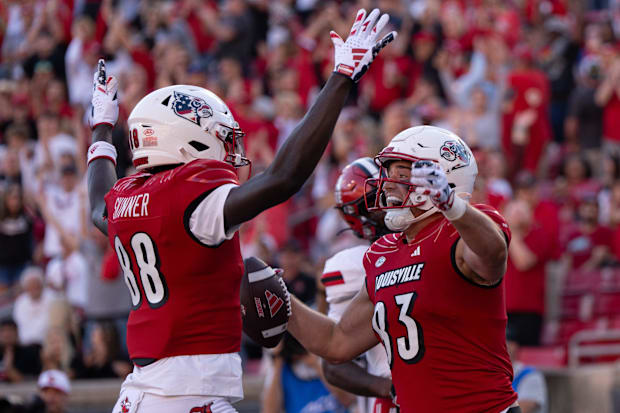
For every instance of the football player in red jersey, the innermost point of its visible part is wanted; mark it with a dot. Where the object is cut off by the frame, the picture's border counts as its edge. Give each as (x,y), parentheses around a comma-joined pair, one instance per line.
(433,293)
(344,275)
(173,224)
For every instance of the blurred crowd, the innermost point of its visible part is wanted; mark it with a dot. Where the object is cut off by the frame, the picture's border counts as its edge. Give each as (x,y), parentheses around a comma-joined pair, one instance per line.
(533,86)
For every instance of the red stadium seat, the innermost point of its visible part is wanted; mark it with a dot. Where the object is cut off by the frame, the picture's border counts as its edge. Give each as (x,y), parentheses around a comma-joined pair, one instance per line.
(594,346)
(550,356)
(578,281)
(607,304)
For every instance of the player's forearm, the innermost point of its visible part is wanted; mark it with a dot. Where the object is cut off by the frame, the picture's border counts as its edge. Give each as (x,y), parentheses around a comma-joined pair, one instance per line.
(486,250)
(314,331)
(294,162)
(303,149)
(101,176)
(354,379)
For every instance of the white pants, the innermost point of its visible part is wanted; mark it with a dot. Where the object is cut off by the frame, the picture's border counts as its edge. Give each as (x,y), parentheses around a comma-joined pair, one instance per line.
(132,400)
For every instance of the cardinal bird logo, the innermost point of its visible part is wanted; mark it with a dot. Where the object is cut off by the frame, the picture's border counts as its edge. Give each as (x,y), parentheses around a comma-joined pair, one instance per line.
(454,151)
(125,405)
(190,107)
(202,409)
(275,302)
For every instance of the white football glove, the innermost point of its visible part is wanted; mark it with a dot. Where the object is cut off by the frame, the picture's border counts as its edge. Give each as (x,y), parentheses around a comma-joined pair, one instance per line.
(104,105)
(430,179)
(353,57)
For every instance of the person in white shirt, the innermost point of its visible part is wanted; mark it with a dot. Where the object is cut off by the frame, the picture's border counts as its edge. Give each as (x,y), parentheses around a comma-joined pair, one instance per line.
(32,307)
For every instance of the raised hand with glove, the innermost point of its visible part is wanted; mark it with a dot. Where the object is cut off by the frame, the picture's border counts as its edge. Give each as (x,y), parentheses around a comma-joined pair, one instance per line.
(430,179)
(354,56)
(104,104)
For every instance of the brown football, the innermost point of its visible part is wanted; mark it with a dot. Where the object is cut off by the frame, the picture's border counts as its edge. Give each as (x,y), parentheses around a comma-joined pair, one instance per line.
(264,305)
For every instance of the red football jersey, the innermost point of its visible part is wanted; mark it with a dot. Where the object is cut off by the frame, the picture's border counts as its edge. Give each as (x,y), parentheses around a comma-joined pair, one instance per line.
(185,295)
(445,336)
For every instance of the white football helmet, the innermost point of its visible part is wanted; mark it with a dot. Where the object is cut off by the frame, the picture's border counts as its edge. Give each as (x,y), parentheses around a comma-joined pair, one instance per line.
(424,143)
(180,123)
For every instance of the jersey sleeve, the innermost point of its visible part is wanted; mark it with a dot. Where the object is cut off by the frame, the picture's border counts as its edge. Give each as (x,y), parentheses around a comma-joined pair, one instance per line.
(369,280)
(206,184)
(207,221)
(497,218)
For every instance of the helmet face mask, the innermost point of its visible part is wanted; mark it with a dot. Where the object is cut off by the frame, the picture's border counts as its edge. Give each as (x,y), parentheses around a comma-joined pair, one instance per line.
(177,124)
(423,143)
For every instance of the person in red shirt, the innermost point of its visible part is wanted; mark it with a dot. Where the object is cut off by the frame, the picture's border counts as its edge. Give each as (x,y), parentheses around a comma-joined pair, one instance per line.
(531,247)
(173,224)
(433,295)
(526,125)
(607,96)
(589,245)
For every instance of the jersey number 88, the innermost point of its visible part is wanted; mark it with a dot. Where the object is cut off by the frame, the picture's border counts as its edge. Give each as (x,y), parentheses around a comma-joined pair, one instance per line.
(153,282)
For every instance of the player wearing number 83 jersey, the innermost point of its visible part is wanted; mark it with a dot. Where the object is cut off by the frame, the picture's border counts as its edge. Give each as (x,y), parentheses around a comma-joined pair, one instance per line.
(437,326)
(434,293)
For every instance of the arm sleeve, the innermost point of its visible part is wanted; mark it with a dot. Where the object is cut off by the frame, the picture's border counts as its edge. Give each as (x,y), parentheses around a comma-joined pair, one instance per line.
(207,221)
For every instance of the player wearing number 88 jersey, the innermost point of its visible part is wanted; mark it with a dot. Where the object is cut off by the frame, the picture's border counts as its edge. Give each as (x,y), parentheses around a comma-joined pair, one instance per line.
(173,224)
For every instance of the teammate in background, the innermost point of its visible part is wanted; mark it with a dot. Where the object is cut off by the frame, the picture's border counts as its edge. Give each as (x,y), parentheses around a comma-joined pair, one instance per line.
(433,290)
(173,224)
(344,275)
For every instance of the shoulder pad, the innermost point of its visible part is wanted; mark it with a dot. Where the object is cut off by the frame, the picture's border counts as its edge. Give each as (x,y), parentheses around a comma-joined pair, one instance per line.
(207,171)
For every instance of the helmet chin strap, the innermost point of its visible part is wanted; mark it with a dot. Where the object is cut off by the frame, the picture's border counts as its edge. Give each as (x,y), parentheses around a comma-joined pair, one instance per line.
(399,219)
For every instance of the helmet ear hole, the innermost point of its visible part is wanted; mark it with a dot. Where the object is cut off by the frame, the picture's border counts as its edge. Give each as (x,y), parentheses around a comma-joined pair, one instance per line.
(199,146)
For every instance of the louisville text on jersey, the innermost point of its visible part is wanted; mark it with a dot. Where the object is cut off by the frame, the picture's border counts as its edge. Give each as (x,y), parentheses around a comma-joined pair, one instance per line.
(399,276)
(131,207)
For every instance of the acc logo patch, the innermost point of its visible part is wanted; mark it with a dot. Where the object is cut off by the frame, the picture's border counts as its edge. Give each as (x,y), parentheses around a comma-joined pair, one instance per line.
(190,107)
(380,262)
(454,151)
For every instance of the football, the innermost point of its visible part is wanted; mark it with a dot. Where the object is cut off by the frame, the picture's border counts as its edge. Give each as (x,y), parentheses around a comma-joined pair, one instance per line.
(265,304)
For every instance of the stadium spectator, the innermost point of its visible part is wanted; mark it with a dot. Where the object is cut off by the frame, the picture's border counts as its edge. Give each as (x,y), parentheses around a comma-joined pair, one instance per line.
(103,359)
(63,208)
(608,97)
(291,259)
(57,351)
(16,361)
(16,236)
(529,251)
(589,244)
(583,128)
(296,385)
(54,389)
(32,307)
(526,125)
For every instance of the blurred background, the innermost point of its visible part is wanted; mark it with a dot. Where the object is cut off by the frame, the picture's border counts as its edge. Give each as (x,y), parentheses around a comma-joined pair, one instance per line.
(533,86)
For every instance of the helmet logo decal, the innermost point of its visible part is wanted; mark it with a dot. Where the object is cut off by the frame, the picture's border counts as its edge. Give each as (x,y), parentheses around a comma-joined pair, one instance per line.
(455,151)
(191,108)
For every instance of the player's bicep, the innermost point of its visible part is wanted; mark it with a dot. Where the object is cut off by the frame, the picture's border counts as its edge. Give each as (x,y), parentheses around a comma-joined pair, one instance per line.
(354,333)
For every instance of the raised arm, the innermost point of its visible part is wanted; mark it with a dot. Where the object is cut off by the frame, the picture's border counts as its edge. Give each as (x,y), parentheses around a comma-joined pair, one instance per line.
(302,150)
(482,251)
(101,173)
